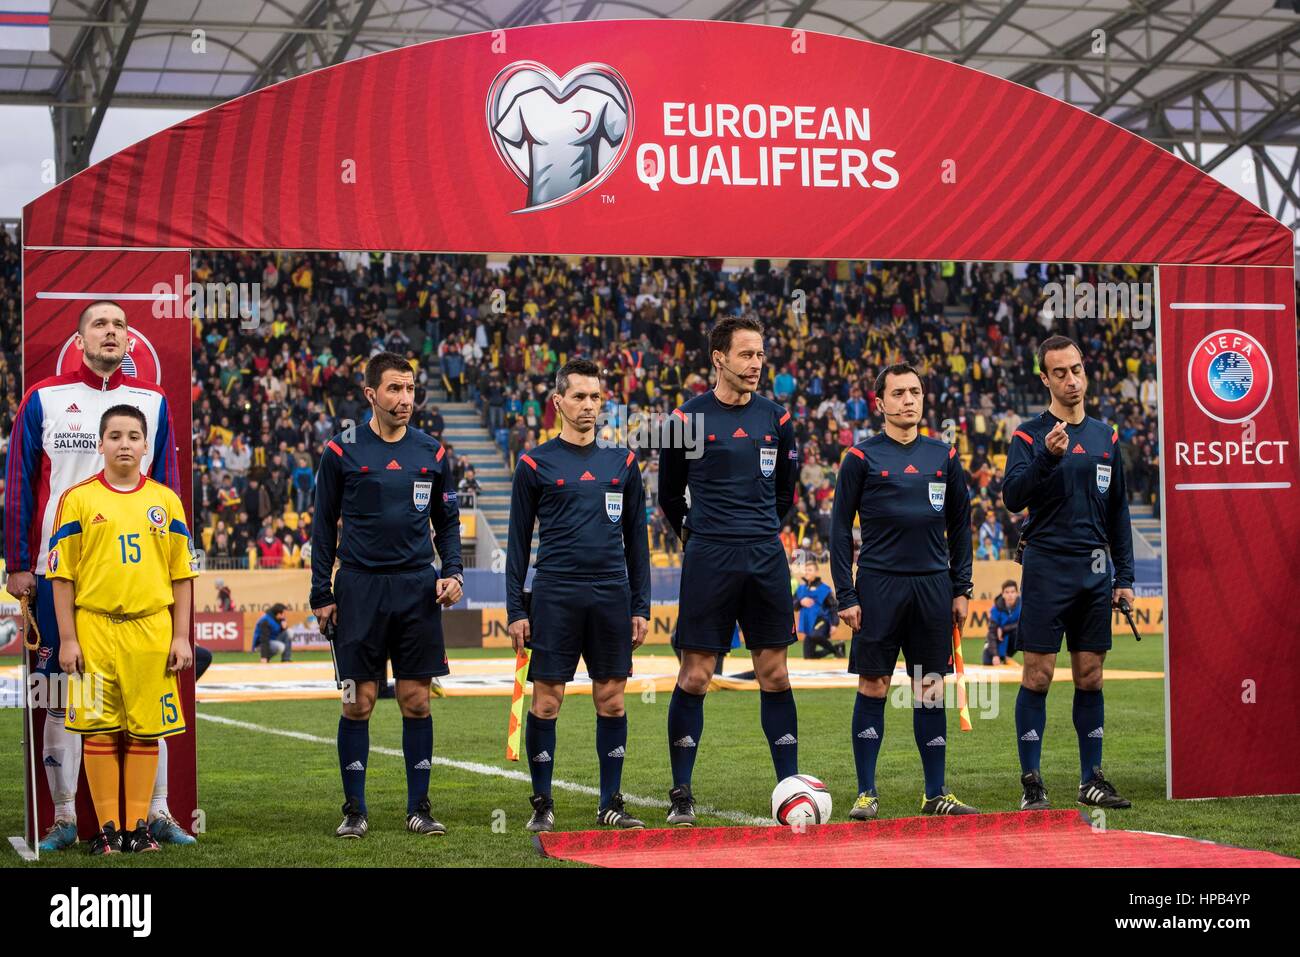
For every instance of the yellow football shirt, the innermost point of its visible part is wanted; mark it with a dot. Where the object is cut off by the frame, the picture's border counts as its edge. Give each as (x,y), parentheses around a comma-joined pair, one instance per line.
(123,550)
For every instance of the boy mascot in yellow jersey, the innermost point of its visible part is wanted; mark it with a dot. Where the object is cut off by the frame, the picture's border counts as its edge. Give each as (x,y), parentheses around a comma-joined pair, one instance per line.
(119,560)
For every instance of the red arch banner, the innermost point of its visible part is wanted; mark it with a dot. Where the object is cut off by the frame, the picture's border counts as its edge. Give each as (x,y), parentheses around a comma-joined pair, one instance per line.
(801,145)
(688,138)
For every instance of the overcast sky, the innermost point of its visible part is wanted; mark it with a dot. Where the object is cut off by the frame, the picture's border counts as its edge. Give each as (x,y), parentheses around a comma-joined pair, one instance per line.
(28,141)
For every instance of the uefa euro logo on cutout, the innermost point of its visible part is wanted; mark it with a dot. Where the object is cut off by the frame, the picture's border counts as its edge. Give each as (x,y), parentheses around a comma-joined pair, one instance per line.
(562,136)
(1230,376)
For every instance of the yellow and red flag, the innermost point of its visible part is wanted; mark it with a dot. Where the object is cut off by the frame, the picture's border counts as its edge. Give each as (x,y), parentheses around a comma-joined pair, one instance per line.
(516,728)
(960,666)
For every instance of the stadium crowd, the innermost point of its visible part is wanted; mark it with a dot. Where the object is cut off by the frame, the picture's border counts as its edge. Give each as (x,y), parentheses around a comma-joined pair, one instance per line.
(972,329)
(267,397)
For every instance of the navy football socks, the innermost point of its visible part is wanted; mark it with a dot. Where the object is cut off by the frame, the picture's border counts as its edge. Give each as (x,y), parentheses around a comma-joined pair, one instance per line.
(930,728)
(1031,720)
(417,752)
(354,752)
(611,745)
(1089,719)
(780,721)
(540,746)
(868,734)
(685,726)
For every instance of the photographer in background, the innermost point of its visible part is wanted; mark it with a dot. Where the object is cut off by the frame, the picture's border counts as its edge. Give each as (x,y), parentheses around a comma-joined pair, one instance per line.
(271,636)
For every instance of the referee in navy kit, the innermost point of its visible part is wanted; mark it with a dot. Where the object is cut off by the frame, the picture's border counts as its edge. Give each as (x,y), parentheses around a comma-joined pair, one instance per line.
(913,584)
(591,593)
(1064,466)
(387,483)
(734,568)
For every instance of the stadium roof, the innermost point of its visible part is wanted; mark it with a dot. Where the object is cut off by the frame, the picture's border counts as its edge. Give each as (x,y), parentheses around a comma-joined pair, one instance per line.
(1203,78)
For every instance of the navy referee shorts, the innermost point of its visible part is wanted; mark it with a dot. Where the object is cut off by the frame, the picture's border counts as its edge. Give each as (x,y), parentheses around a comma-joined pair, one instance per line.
(383,617)
(907,613)
(579,618)
(724,584)
(1063,595)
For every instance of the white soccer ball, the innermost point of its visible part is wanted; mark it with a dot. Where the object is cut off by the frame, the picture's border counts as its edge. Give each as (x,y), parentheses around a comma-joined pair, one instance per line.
(801,799)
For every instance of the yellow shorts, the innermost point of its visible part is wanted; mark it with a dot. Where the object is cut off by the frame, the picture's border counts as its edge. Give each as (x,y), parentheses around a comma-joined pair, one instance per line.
(126,685)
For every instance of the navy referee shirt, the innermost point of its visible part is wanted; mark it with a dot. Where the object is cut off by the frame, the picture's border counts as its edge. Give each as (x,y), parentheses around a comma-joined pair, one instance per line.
(914,507)
(1077,501)
(387,494)
(590,503)
(743,484)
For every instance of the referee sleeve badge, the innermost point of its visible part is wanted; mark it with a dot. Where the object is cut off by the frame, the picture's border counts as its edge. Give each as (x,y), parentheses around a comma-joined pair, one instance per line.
(1103,478)
(937,490)
(421,493)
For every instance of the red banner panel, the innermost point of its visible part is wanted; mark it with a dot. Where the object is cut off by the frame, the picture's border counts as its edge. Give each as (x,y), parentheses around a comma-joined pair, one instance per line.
(219,630)
(659,138)
(1230,463)
(57,286)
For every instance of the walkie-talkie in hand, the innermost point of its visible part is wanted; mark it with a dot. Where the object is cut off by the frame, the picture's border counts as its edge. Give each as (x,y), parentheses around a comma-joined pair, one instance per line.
(1127,609)
(329,630)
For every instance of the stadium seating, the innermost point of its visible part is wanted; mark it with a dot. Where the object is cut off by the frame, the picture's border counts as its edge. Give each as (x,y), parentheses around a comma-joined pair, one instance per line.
(282,388)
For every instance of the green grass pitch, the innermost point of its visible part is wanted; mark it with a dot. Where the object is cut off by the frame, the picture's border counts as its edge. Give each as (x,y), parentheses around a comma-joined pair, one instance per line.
(271,800)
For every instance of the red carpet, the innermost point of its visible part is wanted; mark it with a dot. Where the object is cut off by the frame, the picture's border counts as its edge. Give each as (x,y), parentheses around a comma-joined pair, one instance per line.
(1041,839)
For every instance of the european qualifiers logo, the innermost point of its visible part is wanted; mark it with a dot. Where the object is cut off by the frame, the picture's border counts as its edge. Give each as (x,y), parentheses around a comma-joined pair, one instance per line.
(1230,376)
(766,145)
(562,136)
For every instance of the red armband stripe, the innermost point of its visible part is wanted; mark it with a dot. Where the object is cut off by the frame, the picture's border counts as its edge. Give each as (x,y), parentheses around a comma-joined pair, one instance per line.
(529,460)
(1023,435)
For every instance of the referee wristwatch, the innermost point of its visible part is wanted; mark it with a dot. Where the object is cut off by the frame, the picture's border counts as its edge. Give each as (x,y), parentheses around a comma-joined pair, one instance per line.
(460,579)
(966,593)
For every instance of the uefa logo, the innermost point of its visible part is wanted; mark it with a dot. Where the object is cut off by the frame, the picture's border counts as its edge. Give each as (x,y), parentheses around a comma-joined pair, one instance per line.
(562,136)
(140,361)
(1230,376)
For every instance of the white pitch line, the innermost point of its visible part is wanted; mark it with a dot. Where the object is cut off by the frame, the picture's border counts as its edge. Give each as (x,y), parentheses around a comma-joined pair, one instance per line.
(474,767)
